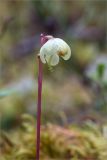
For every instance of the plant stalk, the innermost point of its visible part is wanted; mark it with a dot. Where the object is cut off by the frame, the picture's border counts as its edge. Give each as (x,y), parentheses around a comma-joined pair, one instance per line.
(39,108)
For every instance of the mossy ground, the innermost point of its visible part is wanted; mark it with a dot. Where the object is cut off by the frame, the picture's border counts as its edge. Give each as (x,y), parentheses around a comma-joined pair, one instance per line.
(65,143)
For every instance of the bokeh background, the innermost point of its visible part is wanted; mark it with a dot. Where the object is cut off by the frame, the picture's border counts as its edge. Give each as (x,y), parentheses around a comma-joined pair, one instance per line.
(75,91)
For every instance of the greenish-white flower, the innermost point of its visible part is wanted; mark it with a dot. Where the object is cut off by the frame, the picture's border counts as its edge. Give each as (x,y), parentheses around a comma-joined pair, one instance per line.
(53,49)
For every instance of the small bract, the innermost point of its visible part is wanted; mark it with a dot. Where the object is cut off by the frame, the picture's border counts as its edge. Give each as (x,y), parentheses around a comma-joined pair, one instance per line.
(53,49)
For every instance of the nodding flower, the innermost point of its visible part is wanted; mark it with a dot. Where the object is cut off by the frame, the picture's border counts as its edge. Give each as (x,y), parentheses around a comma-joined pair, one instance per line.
(52,49)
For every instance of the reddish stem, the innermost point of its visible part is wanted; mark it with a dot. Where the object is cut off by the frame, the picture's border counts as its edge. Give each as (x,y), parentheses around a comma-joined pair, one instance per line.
(39,108)
(44,39)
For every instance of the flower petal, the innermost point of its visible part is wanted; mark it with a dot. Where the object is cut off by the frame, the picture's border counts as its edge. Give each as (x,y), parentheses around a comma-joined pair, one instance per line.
(54,60)
(44,53)
(62,48)
(42,57)
(67,54)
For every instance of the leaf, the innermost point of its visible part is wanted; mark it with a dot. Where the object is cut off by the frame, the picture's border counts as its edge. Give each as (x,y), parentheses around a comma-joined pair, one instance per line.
(100,70)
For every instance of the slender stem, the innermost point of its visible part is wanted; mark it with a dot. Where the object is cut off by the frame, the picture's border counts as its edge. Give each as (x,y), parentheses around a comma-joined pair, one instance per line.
(39,108)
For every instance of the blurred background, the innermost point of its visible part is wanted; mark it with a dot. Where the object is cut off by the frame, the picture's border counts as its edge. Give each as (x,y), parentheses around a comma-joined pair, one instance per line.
(75,91)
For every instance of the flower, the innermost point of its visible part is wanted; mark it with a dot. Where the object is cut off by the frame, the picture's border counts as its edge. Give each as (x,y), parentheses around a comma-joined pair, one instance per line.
(53,49)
